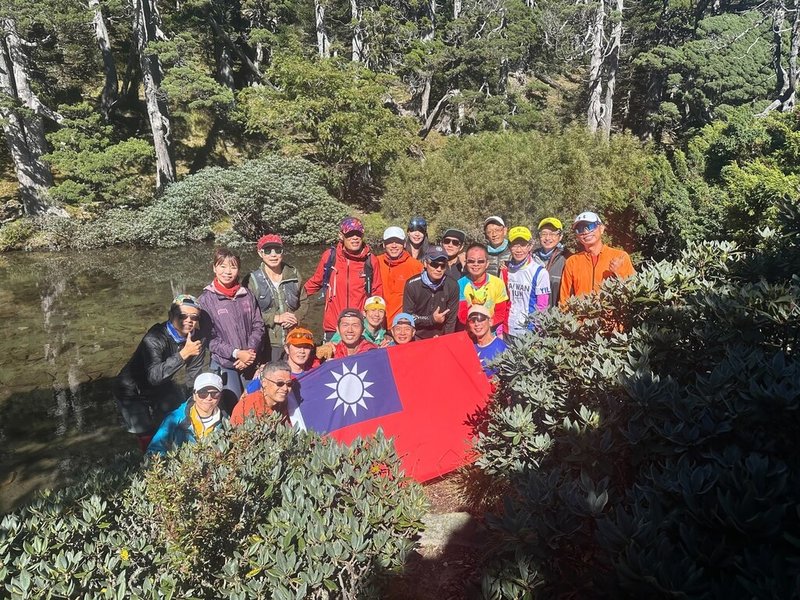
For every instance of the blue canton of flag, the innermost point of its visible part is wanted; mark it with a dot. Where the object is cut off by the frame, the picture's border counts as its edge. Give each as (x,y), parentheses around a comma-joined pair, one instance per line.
(344,392)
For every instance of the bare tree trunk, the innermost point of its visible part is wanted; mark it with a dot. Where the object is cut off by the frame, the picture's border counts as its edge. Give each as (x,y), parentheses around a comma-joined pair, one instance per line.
(612,67)
(145,30)
(425,101)
(429,33)
(594,113)
(109,96)
(222,58)
(787,81)
(358,33)
(456,9)
(429,122)
(323,43)
(23,129)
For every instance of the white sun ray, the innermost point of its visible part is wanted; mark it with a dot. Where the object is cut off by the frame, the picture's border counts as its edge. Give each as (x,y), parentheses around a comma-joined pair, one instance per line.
(350,388)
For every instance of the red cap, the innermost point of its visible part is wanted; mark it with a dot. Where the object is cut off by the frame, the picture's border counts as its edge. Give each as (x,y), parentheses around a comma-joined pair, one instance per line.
(271,239)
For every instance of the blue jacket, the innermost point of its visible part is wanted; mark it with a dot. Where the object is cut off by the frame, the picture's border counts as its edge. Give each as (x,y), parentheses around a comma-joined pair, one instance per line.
(176,429)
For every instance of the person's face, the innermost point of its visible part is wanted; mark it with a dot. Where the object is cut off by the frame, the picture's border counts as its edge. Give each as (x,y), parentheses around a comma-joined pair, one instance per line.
(393,247)
(188,320)
(299,355)
(227,272)
(549,237)
(452,246)
(350,329)
(477,263)
(436,269)
(495,234)
(272,256)
(403,333)
(206,400)
(275,387)
(587,237)
(416,237)
(353,241)
(375,316)
(478,325)
(520,249)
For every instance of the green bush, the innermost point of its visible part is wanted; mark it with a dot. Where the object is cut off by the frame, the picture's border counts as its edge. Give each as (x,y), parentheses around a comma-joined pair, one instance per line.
(272,194)
(261,511)
(528,176)
(649,435)
(14,234)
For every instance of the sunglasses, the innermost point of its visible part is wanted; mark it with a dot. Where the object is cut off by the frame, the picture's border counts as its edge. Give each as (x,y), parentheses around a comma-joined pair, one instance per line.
(213,394)
(279,384)
(439,264)
(272,250)
(452,242)
(473,261)
(194,318)
(350,234)
(589,227)
(300,335)
(478,318)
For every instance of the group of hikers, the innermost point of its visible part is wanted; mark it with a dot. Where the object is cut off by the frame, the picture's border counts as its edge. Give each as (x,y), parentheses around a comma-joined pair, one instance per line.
(252,326)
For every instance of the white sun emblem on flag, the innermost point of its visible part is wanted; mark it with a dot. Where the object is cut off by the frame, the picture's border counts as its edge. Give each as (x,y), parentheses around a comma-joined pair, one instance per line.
(350,389)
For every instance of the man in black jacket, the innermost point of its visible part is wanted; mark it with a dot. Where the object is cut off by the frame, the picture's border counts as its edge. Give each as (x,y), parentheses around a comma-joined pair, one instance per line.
(432,297)
(144,389)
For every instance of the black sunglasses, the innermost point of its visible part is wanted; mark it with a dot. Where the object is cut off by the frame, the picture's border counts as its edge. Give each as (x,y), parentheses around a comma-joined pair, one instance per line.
(452,241)
(272,250)
(194,318)
(288,383)
(213,394)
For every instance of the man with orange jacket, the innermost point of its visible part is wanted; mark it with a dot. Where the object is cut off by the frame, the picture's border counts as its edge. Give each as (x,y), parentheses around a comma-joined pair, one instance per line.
(585,271)
(347,274)
(397,266)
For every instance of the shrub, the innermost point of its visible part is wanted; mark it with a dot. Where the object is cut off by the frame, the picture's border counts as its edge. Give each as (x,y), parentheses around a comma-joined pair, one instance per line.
(14,234)
(262,511)
(528,176)
(649,435)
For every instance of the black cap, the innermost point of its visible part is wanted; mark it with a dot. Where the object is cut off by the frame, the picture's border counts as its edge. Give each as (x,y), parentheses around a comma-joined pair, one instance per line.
(455,233)
(349,312)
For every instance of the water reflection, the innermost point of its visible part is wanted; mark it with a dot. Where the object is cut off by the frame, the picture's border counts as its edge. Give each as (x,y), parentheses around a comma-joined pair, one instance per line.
(70,321)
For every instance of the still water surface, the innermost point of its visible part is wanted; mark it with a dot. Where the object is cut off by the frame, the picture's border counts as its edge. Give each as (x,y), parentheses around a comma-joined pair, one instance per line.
(70,321)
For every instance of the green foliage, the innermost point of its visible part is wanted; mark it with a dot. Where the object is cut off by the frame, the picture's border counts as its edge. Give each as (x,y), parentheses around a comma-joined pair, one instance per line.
(94,170)
(273,194)
(526,177)
(14,234)
(329,111)
(649,434)
(262,511)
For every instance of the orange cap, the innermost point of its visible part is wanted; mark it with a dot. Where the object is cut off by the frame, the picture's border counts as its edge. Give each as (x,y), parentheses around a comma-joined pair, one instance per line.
(300,336)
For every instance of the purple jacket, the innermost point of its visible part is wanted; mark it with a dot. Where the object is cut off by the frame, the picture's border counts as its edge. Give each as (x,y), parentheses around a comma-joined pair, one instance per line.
(235,323)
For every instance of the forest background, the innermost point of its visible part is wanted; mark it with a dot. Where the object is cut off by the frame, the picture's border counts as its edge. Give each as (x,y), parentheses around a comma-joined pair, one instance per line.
(674,119)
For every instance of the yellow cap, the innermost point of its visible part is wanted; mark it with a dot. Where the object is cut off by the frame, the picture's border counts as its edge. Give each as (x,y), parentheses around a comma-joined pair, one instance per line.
(519,232)
(375,303)
(552,221)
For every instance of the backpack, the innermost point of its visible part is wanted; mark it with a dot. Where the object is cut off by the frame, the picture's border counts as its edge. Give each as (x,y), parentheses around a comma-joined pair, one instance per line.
(328,269)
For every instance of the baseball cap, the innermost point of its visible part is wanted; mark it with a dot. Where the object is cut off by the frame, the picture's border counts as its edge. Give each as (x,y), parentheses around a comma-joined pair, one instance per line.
(271,239)
(435,253)
(394,233)
(454,233)
(186,300)
(349,312)
(586,217)
(300,336)
(494,219)
(374,303)
(552,221)
(205,380)
(350,224)
(519,232)
(403,318)
(479,309)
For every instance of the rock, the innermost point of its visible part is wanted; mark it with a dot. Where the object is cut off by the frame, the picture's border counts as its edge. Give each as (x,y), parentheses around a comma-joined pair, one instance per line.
(458,528)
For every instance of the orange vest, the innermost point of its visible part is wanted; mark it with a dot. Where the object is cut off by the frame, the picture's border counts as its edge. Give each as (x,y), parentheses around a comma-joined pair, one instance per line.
(581,276)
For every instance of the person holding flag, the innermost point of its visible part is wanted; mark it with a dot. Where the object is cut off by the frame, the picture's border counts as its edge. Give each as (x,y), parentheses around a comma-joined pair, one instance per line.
(432,297)
(276,382)
(487,344)
(350,328)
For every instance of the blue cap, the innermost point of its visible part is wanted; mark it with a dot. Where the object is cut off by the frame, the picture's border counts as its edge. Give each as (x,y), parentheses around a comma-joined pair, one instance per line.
(435,253)
(403,317)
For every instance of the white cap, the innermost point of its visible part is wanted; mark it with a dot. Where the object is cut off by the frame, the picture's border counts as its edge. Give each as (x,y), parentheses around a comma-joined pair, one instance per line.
(494,219)
(205,380)
(586,217)
(394,233)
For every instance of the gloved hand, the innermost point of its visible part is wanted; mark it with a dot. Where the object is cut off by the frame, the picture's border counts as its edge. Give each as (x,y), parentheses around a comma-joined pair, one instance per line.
(325,351)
